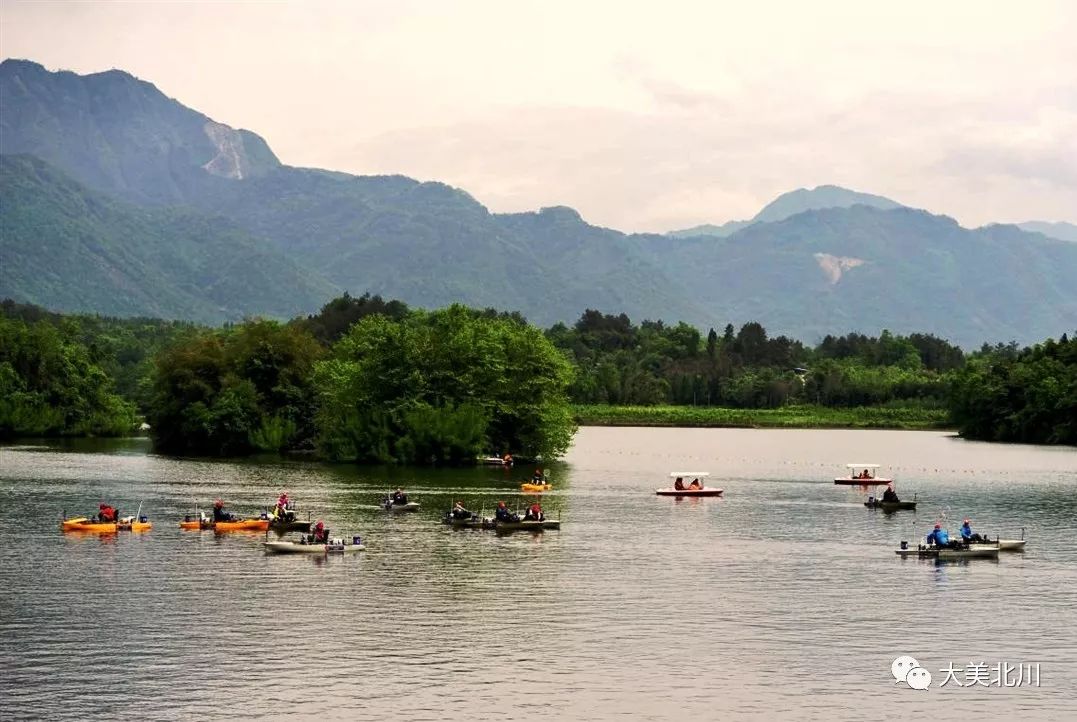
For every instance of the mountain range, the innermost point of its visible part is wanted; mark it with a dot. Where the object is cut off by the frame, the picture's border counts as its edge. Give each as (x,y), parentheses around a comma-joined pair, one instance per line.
(117,199)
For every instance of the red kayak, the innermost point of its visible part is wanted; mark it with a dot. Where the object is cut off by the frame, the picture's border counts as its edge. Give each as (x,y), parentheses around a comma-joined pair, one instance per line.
(689,492)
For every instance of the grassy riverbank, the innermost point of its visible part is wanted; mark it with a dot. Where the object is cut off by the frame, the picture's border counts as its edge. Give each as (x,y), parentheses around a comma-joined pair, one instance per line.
(791,417)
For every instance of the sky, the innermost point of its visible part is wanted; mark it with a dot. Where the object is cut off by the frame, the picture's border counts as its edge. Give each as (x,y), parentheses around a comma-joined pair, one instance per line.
(642,116)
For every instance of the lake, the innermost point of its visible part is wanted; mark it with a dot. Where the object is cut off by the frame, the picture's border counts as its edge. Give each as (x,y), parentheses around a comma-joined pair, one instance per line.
(784,598)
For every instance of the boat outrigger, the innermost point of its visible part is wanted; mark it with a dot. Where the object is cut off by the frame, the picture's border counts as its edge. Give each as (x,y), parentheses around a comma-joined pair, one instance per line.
(868,477)
(693,488)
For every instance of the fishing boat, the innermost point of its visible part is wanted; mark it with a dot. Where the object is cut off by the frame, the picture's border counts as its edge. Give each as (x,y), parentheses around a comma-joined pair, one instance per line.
(524,525)
(871,478)
(283,526)
(967,551)
(86,524)
(392,508)
(889,506)
(694,475)
(474,522)
(223,526)
(337,546)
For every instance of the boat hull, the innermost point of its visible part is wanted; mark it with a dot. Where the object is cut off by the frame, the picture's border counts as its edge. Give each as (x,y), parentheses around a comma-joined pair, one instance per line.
(223,526)
(973,551)
(95,527)
(851,481)
(287,547)
(689,492)
(508,526)
(889,506)
(535,487)
(283,527)
(401,508)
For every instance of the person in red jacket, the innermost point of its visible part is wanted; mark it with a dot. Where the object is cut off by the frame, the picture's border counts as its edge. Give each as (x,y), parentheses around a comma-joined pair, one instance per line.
(106,513)
(534,513)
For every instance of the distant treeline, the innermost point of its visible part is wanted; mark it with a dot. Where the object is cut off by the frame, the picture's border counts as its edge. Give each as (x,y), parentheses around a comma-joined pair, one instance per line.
(369,379)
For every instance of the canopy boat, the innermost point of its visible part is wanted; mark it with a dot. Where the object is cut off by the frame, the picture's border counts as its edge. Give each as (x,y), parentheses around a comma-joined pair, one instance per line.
(337,546)
(868,477)
(965,551)
(86,524)
(686,491)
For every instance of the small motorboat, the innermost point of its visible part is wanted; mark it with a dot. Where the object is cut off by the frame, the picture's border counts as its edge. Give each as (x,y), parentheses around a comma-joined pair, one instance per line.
(505,460)
(868,477)
(336,546)
(966,551)
(86,524)
(696,476)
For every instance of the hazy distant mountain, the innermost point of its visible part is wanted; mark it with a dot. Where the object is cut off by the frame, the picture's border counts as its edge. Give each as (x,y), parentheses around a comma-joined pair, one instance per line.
(116,133)
(1060,230)
(71,249)
(255,236)
(790,204)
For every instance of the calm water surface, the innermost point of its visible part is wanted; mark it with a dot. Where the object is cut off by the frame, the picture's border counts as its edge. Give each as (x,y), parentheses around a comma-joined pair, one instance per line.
(782,599)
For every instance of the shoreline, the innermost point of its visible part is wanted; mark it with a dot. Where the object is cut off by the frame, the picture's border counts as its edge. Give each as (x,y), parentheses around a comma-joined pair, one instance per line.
(788,417)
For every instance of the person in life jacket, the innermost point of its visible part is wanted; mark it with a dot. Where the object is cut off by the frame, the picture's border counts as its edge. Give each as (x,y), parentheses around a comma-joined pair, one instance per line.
(938,536)
(968,536)
(534,513)
(106,513)
(503,513)
(219,514)
(283,510)
(321,533)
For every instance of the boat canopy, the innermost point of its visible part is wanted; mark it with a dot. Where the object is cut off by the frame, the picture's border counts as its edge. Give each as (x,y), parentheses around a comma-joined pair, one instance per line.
(691,474)
(863,466)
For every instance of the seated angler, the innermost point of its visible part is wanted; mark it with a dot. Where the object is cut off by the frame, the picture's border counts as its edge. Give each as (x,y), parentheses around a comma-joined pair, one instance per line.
(968,536)
(534,513)
(503,514)
(106,513)
(459,512)
(219,514)
(890,495)
(321,533)
(538,477)
(399,497)
(938,536)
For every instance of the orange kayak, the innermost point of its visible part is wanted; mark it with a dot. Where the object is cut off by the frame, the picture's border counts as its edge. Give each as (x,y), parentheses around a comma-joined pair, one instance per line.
(240,525)
(106,527)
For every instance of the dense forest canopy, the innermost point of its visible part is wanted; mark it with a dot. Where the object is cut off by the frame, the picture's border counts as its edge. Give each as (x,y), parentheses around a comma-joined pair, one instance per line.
(371,379)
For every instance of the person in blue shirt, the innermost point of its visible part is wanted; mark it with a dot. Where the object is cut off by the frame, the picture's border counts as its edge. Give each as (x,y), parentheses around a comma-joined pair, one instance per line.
(968,536)
(938,536)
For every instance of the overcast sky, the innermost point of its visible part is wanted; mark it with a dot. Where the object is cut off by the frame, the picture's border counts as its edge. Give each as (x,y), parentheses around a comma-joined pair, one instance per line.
(643,118)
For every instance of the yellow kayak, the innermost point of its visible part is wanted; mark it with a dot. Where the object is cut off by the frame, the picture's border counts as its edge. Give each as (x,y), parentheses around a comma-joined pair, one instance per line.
(106,527)
(535,487)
